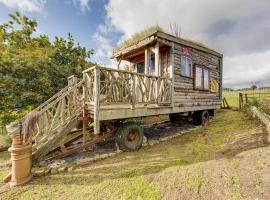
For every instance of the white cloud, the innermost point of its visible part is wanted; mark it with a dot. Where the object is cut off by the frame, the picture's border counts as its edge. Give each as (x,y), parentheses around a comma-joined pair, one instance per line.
(25,5)
(246,69)
(104,46)
(84,4)
(238,29)
(211,21)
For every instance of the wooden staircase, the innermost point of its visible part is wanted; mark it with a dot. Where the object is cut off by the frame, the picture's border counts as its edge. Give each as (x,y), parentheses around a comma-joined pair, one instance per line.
(45,126)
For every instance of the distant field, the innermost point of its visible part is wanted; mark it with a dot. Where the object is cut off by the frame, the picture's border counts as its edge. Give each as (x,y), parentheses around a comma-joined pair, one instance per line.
(233,96)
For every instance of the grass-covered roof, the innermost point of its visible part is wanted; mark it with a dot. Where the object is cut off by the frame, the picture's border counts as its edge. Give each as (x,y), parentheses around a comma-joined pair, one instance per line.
(137,37)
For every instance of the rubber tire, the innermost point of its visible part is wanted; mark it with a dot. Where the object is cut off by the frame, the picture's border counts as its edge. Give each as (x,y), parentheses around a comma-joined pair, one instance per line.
(205,113)
(174,117)
(121,137)
(198,117)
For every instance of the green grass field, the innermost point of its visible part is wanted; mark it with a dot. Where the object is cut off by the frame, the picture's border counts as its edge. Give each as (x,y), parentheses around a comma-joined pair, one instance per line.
(233,96)
(214,162)
(227,160)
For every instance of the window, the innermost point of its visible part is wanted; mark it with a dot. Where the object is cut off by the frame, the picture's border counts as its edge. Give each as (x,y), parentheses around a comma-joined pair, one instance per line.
(140,67)
(206,79)
(198,79)
(201,78)
(185,68)
(151,65)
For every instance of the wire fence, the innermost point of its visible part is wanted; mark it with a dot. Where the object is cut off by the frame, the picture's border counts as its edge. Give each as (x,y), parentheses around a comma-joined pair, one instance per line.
(245,98)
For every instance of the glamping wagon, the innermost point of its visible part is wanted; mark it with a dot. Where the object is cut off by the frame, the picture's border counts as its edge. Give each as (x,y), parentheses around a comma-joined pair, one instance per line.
(166,75)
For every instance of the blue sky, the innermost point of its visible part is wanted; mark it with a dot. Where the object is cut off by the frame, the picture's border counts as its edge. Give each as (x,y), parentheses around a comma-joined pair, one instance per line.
(238,29)
(59,17)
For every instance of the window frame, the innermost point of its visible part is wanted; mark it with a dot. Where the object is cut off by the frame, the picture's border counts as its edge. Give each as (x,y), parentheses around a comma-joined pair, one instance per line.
(202,77)
(191,68)
(143,67)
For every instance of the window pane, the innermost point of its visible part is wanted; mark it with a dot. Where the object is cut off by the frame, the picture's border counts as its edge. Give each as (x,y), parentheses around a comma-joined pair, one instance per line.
(198,81)
(140,67)
(183,66)
(151,67)
(206,79)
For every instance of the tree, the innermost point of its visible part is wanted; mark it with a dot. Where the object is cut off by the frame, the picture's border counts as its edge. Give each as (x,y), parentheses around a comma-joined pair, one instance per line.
(253,87)
(32,68)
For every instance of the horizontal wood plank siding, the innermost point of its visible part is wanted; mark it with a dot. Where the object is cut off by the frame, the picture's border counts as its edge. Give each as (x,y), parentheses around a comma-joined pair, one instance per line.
(184,93)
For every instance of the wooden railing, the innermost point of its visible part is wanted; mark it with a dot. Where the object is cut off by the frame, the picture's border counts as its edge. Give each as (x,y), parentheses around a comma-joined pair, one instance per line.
(124,87)
(100,86)
(56,113)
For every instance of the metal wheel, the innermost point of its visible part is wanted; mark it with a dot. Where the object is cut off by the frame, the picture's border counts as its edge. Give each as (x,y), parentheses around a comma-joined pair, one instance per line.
(129,137)
(133,137)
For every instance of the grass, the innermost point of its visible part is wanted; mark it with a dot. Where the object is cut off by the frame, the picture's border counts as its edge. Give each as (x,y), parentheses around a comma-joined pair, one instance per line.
(187,167)
(138,37)
(232,98)
(256,100)
(148,32)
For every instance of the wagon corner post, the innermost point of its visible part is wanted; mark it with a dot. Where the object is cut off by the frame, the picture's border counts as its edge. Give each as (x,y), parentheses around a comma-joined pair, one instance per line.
(96,100)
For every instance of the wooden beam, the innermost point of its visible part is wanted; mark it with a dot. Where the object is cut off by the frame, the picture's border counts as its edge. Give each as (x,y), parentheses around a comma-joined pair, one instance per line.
(139,44)
(137,59)
(146,60)
(172,71)
(157,61)
(96,100)
(187,43)
(119,62)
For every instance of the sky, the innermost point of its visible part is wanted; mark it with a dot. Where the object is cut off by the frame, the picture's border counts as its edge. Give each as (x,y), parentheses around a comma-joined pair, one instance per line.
(239,29)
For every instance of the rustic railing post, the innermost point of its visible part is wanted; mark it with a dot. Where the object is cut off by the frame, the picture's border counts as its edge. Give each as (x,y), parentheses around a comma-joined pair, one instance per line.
(133,91)
(72,80)
(84,99)
(96,99)
(158,91)
(84,88)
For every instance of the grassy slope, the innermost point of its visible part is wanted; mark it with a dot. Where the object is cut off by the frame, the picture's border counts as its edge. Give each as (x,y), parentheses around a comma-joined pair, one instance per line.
(208,163)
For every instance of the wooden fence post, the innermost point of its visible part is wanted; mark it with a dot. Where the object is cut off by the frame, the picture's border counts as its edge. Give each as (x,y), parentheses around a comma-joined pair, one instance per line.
(246,98)
(240,101)
(96,99)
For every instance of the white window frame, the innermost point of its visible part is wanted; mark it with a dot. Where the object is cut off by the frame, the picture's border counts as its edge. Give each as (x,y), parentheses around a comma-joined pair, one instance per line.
(203,86)
(185,59)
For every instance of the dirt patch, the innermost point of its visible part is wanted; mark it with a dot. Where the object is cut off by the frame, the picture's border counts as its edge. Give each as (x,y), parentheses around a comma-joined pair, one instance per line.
(151,132)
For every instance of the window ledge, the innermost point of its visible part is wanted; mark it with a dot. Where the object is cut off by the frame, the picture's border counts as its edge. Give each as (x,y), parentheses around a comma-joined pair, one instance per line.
(202,89)
(186,76)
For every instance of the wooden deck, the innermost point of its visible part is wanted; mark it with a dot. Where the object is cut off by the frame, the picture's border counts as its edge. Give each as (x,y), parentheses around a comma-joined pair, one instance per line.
(113,112)
(117,94)
(111,94)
